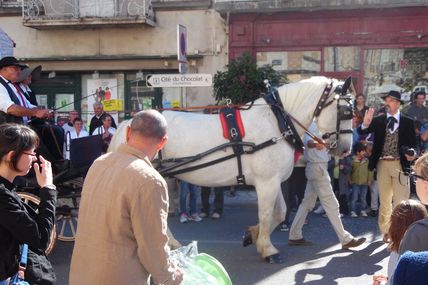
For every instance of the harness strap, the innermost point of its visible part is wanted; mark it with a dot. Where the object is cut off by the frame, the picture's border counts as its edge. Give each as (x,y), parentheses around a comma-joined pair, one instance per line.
(254,148)
(231,119)
(285,124)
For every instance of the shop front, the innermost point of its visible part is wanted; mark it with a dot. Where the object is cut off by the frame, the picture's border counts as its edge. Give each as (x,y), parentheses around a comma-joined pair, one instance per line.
(380,48)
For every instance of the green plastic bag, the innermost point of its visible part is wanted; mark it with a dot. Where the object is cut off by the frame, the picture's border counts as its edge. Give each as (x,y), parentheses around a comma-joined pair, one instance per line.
(199,268)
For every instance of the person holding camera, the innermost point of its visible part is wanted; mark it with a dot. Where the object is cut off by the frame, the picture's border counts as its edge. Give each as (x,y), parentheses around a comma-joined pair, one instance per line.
(394,140)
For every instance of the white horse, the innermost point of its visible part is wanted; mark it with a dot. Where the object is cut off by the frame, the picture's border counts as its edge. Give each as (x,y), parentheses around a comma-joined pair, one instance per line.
(190,134)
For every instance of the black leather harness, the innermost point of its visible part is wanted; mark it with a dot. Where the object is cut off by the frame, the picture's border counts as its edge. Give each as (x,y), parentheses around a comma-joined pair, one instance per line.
(285,123)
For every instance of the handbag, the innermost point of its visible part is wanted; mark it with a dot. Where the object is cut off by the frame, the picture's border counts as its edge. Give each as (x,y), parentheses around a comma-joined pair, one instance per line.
(18,278)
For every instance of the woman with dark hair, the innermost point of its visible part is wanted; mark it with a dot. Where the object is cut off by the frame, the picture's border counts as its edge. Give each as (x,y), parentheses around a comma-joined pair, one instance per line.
(360,105)
(19,223)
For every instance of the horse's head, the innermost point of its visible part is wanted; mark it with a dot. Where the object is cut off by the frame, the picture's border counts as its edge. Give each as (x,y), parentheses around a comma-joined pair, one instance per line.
(334,116)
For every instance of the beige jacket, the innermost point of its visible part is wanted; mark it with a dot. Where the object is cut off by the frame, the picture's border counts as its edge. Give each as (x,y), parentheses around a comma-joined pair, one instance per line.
(122,231)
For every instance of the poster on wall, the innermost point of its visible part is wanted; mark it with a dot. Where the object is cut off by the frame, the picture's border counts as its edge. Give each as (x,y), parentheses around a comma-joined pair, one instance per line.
(102,91)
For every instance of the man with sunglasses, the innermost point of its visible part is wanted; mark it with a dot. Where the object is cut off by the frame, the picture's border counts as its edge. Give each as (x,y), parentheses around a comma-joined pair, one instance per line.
(394,135)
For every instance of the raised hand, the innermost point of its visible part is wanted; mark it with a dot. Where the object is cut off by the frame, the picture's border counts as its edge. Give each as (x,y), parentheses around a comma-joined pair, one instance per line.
(43,172)
(368,117)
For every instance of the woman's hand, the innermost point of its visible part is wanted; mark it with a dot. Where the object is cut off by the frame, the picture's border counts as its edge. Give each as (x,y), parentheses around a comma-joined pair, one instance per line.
(43,172)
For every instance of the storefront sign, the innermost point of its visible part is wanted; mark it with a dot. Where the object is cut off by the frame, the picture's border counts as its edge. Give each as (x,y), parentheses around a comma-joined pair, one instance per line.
(113,105)
(179,80)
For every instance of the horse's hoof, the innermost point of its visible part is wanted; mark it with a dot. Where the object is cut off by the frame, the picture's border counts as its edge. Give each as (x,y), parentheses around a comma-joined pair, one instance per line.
(274,258)
(247,239)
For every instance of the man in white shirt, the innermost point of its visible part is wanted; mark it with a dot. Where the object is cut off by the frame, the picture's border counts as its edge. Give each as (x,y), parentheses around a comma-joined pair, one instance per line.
(14,106)
(319,185)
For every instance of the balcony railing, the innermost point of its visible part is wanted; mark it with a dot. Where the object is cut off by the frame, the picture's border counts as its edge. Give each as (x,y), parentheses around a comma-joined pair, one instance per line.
(38,13)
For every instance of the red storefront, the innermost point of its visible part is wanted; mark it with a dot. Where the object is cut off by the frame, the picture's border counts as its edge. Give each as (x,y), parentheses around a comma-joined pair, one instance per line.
(375,46)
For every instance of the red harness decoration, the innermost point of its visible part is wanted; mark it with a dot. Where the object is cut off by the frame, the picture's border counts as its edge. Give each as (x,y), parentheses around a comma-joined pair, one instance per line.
(238,122)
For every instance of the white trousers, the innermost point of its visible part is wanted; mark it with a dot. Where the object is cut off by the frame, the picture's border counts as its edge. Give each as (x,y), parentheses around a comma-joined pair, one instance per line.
(319,185)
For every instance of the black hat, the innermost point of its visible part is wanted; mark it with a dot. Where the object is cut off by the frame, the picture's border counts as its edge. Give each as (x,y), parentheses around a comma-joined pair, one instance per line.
(10,60)
(393,94)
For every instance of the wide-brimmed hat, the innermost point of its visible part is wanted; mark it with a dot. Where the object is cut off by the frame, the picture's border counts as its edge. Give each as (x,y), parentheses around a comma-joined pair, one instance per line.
(394,95)
(9,61)
(35,72)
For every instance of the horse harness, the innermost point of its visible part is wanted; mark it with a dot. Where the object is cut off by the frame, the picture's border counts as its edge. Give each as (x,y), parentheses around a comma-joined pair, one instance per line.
(285,125)
(344,112)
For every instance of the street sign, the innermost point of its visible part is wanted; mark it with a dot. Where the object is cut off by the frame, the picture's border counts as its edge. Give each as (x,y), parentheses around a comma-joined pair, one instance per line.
(179,80)
(181,43)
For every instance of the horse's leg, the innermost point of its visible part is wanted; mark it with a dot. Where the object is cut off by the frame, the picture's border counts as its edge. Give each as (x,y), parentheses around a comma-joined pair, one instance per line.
(267,193)
(279,211)
(278,217)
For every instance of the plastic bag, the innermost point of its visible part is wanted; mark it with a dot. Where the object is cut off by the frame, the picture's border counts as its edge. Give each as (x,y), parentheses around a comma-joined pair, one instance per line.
(184,257)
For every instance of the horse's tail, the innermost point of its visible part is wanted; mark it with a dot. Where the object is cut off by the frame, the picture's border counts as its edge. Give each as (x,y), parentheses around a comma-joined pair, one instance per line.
(119,136)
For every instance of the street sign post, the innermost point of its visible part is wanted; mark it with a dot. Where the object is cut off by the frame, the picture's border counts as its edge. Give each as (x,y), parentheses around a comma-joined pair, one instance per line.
(181,43)
(179,80)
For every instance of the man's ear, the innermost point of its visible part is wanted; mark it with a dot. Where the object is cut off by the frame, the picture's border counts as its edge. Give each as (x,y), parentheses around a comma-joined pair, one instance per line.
(162,143)
(128,133)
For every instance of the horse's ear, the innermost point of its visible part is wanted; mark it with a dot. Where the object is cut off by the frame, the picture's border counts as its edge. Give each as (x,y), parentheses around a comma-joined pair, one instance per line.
(346,85)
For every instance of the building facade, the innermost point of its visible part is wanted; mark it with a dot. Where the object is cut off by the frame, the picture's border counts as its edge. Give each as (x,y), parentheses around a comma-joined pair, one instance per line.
(100,50)
(382,44)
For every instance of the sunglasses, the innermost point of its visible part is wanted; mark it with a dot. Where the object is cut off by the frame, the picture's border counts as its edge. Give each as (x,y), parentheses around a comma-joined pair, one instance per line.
(413,175)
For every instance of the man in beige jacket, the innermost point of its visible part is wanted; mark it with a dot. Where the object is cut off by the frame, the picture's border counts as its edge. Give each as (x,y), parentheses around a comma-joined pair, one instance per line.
(122,232)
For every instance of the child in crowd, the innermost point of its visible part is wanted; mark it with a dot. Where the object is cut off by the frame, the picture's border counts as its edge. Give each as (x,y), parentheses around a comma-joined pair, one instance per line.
(192,214)
(361,177)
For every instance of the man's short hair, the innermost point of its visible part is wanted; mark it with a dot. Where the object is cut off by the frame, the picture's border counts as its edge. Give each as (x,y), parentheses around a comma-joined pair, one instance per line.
(97,104)
(149,124)
(420,92)
(77,119)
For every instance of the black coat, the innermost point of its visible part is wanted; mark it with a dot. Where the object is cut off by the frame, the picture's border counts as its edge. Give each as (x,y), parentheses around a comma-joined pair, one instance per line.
(406,138)
(96,122)
(19,224)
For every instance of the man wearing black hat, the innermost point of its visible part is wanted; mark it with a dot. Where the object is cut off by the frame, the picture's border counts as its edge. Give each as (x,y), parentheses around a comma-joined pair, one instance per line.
(394,138)
(14,106)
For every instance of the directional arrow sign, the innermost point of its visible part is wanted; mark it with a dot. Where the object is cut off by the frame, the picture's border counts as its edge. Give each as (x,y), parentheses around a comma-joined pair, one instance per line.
(179,80)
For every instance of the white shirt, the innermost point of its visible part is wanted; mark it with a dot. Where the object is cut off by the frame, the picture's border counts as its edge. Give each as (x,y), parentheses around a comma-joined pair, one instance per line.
(68,138)
(397,123)
(6,102)
(312,154)
(67,128)
(100,130)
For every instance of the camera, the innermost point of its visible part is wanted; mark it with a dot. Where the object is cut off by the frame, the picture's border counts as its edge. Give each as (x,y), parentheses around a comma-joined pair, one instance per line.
(409,151)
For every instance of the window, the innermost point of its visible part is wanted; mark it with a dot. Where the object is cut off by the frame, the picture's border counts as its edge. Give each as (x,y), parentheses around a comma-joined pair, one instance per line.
(294,65)
(403,70)
(338,59)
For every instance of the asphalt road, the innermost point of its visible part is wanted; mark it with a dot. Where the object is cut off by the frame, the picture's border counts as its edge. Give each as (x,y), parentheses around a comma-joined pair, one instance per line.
(322,263)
